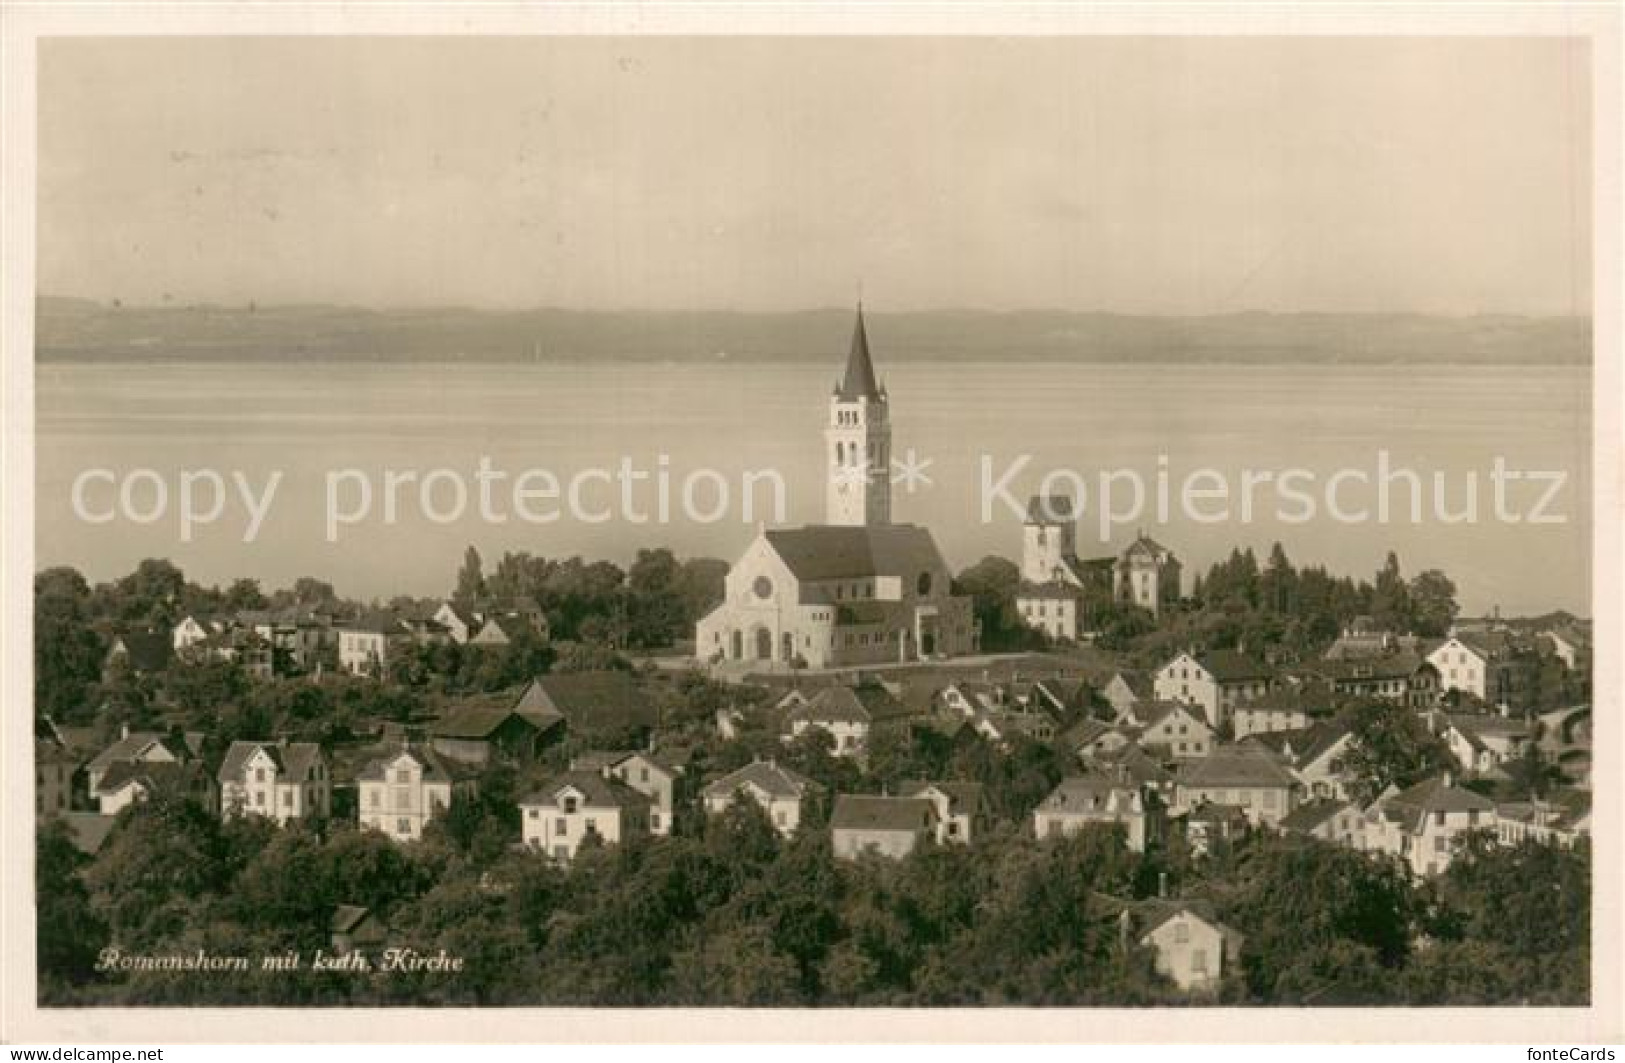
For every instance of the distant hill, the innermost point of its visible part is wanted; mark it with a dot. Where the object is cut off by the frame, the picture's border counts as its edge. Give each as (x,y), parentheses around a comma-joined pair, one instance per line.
(77,329)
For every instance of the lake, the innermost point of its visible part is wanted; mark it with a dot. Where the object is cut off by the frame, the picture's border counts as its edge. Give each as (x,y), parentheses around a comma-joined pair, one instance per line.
(308,418)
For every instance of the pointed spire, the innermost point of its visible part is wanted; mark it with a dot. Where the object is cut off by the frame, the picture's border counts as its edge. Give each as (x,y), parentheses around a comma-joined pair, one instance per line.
(860,370)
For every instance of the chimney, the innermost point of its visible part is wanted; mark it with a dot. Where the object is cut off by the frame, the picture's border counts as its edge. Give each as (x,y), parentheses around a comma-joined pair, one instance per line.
(1449,780)
(1162,885)
(124,729)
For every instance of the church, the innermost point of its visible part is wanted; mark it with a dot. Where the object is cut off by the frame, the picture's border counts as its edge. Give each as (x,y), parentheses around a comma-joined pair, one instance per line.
(856,590)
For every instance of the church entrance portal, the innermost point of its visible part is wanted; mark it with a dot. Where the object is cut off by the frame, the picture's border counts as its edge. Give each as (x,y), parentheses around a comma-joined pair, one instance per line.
(764,644)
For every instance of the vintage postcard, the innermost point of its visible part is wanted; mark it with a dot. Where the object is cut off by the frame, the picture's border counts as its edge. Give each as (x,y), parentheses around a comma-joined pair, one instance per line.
(645,509)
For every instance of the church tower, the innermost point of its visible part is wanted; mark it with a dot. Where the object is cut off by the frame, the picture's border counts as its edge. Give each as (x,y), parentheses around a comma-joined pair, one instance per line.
(857,442)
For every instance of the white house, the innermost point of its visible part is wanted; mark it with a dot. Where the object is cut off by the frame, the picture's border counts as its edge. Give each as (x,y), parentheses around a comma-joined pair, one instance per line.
(780,792)
(1426,824)
(1328,819)
(1217,681)
(1561,822)
(1056,585)
(1483,743)
(1081,800)
(192,629)
(401,791)
(129,782)
(1251,779)
(1319,763)
(891,827)
(136,747)
(579,805)
(1147,575)
(1192,949)
(837,710)
(366,646)
(1176,730)
(1292,706)
(646,773)
(279,780)
(962,813)
(1491,666)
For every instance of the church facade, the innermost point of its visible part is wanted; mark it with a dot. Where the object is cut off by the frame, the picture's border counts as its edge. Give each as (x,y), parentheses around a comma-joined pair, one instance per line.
(856,590)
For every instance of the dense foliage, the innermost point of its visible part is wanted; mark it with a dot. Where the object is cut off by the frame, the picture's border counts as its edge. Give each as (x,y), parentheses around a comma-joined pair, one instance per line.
(727,912)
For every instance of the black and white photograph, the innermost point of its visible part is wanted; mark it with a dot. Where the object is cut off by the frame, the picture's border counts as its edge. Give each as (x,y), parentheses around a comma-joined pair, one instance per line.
(816,521)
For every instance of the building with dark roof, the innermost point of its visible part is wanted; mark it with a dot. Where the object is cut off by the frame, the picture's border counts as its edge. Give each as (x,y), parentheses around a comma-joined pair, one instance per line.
(129,782)
(1328,819)
(855,590)
(280,780)
(1192,948)
(1426,824)
(839,712)
(1060,593)
(1146,574)
(482,734)
(1217,680)
(402,789)
(581,806)
(884,826)
(962,810)
(141,651)
(1102,796)
(779,791)
(595,706)
(1243,775)
(136,747)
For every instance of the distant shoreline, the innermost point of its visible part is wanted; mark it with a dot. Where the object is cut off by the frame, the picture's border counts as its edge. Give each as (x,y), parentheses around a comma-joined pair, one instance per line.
(72,330)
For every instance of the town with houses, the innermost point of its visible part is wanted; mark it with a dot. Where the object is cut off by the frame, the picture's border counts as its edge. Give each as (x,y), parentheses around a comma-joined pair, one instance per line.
(840,707)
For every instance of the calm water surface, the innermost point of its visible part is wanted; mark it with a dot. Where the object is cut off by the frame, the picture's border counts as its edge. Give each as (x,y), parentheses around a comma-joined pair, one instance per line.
(305,419)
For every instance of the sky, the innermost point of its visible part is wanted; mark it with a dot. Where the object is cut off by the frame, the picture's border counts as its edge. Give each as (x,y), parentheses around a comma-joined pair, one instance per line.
(1138,175)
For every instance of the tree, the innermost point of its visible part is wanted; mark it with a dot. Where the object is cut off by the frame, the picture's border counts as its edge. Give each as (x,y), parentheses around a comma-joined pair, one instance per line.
(470,578)
(701,585)
(149,596)
(1390,745)
(1277,585)
(309,591)
(1433,603)
(244,594)
(69,934)
(163,853)
(1528,906)
(1390,597)
(656,611)
(991,584)
(1532,774)
(68,653)
(1322,922)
